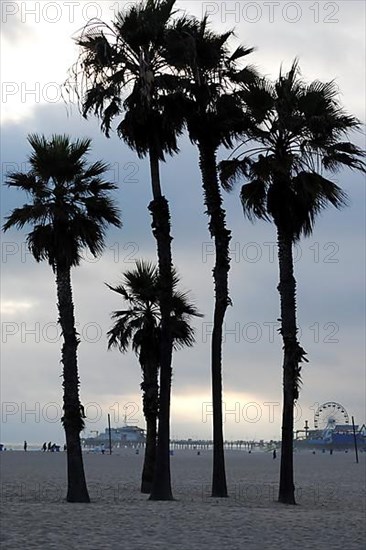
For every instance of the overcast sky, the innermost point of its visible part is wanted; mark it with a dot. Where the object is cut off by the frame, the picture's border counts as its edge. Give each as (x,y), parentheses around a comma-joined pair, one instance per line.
(36,52)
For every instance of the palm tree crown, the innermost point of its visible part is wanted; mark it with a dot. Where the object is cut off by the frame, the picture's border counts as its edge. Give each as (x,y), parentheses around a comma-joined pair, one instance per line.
(70,208)
(298,132)
(123,69)
(210,75)
(139,324)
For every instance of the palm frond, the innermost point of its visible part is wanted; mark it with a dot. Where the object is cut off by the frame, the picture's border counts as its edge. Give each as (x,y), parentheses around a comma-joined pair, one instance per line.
(27,214)
(233,170)
(259,99)
(312,194)
(119,289)
(241,51)
(344,154)
(253,198)
(27,182)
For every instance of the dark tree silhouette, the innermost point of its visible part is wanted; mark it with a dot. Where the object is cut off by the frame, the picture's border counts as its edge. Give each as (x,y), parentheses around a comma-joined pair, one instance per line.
(209,78)
(298,132)
(70,208)
(124,72)
(139,326)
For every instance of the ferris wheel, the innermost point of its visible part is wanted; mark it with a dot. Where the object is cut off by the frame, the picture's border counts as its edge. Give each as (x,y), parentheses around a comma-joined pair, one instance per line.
(329,415)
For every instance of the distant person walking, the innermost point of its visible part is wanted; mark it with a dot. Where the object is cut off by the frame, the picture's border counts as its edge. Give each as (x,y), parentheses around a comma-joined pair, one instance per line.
(25,446)
(274,454)
(49,446)
(44,447)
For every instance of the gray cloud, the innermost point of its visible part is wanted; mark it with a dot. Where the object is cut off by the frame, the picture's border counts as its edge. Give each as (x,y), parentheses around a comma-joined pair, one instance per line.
(15,28)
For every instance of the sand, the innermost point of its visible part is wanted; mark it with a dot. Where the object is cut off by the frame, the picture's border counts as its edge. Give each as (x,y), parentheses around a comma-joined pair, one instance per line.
(330,512)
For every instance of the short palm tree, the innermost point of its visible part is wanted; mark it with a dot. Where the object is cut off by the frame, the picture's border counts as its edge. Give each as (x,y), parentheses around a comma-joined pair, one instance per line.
(125,75)
(210,76)
(140,326)
(298,133)
(69,209)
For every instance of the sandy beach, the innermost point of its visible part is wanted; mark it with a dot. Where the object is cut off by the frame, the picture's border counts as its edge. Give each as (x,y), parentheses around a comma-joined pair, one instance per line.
(330,511)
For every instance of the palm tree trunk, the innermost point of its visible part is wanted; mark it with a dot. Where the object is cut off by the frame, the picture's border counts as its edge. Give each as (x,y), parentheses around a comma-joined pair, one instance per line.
(293,355)
(73,413)
(151,408)
(150,455)
(221,236)
(159,209)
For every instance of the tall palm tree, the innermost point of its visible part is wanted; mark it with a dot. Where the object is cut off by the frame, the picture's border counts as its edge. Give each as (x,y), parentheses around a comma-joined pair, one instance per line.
(299,133)
(210,75)
(124,73)
(139,326)
(69,209)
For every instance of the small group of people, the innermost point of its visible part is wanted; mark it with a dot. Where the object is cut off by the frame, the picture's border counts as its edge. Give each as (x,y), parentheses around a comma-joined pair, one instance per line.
(51,447)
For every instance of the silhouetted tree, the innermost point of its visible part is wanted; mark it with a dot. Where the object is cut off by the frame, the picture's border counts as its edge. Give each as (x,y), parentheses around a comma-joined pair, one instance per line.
(140,326)
(69,208)
(123,70)
(209,78)
(298,132)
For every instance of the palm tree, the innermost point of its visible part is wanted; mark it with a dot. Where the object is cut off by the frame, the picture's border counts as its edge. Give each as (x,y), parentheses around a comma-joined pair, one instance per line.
(69,209)
(124,72)
(139,326)
(299,132)
(210,75)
